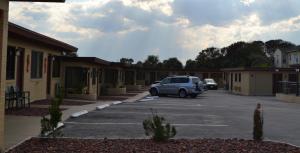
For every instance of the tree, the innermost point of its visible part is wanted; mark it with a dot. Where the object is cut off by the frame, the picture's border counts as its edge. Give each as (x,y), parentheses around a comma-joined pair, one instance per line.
(139,64)
(172,63)
(190,64)
(242,54)
(272,45)
(126,60)
(210,58)
(151,62)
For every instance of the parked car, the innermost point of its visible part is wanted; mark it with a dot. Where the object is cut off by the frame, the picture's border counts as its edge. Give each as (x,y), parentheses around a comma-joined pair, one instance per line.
(210,84)
(182,86)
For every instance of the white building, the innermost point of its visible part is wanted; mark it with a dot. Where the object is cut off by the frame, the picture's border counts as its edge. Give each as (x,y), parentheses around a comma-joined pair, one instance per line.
(287,58)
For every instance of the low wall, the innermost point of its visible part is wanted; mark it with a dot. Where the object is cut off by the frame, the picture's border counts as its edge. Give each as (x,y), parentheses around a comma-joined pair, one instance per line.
(116,91)
(82,96)
(288,98)
(133,87)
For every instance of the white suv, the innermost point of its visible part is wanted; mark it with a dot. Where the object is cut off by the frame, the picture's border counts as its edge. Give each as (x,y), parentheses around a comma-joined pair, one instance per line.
(182,86)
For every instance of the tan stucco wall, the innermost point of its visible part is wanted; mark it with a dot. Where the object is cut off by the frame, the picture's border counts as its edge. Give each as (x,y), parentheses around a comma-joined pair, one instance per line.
(241,87)
(261,83)
(37,87)
(93,88)
(3,48)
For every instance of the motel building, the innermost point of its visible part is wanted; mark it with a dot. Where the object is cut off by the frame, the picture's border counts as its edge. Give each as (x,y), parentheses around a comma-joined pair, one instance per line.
(280,82)
(41,65)
(4,9)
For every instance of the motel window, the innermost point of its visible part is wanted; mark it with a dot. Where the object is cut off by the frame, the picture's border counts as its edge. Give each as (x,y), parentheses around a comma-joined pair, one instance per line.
(240,77)
(94,76)
(36,64)
(10,63)
(56,69)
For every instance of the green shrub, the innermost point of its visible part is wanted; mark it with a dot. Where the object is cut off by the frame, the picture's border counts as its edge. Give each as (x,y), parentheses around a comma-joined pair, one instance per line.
(156,128)
(49,125)
(258,124)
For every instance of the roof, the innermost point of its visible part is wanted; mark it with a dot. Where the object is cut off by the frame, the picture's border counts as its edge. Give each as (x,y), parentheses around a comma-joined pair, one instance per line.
(21,32)
(91,60)
(267,69)
(39,0)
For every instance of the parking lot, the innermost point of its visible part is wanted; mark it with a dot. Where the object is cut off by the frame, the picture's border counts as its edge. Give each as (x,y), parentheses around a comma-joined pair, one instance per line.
(214,114)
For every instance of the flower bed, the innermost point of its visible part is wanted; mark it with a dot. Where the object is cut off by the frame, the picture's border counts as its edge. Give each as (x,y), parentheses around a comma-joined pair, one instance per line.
(36,145)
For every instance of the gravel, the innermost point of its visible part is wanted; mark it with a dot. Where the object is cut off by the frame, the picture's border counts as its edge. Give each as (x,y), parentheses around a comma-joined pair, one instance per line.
(62,145)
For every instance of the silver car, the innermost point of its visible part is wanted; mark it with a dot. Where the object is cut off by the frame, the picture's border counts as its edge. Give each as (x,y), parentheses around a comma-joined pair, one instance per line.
(182,86)
(210,84)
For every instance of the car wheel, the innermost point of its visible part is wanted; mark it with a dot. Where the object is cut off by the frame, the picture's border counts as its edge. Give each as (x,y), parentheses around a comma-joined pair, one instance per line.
(194,95)
(182,93)
(153,92)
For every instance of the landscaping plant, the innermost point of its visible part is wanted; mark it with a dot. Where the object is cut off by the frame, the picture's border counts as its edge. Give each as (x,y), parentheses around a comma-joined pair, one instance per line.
(49,125)
(258,123)
(157,129)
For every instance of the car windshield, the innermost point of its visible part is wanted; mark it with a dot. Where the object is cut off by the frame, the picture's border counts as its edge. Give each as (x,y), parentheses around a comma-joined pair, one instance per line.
(209,81)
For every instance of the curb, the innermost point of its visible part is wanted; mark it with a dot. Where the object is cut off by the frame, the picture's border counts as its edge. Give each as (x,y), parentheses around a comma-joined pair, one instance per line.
(77,114)
(102,106)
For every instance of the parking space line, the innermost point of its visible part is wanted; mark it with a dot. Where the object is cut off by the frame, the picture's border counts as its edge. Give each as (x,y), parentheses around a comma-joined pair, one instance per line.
(166,113)
(177,124)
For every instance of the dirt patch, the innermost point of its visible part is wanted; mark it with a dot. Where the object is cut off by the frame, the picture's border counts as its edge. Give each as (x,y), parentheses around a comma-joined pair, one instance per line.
(32,111)
(37,145)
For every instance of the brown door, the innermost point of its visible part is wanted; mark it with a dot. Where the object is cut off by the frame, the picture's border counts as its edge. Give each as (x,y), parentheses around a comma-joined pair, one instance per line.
(20,69)
(277,77)
(49,65)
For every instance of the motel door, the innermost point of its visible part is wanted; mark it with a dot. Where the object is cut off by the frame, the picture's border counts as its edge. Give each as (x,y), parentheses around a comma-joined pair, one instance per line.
(49,62)
(276,78)
(152,77)
(20,69)
(99,82)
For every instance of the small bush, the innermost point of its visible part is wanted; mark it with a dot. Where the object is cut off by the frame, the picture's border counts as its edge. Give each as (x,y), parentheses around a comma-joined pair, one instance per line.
(49,125)
(258,124)
(156,128)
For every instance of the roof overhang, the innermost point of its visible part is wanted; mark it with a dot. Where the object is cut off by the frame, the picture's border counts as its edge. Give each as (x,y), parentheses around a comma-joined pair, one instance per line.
(29,35)
(91,60)
(267,69)
(61,1)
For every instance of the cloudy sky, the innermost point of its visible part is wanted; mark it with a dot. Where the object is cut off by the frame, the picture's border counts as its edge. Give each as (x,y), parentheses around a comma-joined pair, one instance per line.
(111,29)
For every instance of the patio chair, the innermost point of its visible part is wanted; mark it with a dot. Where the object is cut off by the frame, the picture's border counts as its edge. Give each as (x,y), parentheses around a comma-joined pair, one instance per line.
(21,97)
(9,98)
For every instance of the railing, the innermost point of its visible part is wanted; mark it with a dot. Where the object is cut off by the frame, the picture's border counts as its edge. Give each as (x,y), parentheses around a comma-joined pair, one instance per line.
(287,87)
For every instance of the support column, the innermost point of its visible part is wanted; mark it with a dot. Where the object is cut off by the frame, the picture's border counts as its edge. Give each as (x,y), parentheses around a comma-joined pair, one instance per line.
(134,77)
(3,50)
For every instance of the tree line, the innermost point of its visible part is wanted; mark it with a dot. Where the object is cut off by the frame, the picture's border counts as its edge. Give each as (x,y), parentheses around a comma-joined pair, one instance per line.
(239,54)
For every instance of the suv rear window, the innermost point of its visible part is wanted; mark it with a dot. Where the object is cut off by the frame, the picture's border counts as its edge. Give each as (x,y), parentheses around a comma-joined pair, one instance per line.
(179,80)
(195,80)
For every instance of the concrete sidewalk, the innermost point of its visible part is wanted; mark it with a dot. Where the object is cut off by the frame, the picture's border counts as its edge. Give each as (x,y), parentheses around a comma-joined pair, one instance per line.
(19,128)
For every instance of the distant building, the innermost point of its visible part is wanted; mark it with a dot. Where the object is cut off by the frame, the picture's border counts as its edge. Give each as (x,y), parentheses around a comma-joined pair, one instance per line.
(287,58)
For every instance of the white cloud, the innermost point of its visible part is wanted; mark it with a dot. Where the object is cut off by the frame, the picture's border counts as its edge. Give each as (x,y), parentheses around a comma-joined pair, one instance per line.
(248,28)
(247,2)
(132,26)
(151,5)
(58,18)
